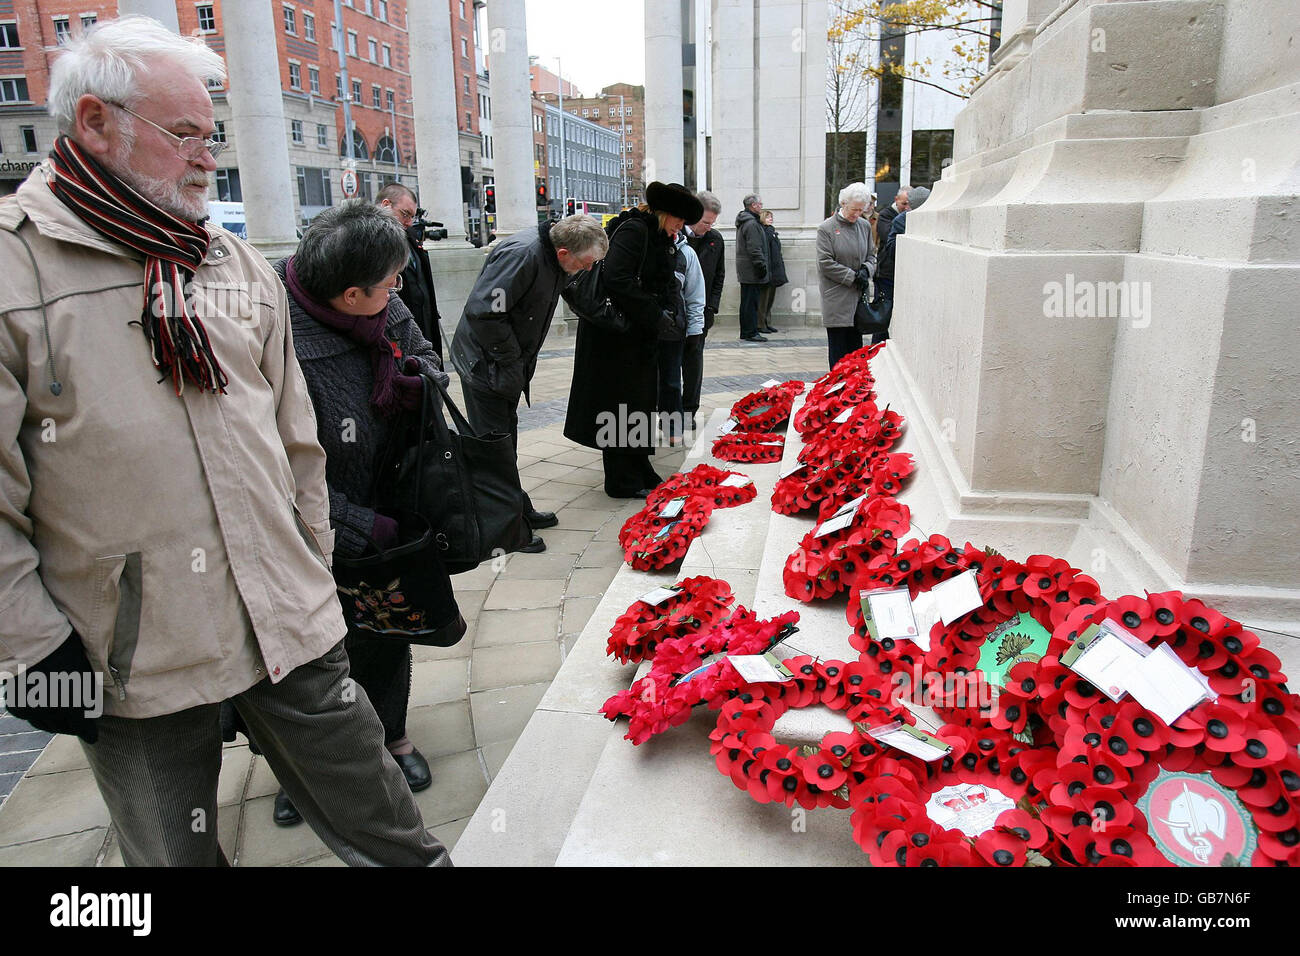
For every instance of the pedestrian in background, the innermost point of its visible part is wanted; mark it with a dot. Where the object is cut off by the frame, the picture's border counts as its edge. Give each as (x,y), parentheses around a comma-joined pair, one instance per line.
(710,249)
(417,292)
(612,398)
(845,261)
(690,281)
(506,320)
(751,266)
(776,276)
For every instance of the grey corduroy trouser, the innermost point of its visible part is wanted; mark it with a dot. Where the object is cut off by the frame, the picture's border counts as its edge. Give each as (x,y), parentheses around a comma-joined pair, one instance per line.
(322,739)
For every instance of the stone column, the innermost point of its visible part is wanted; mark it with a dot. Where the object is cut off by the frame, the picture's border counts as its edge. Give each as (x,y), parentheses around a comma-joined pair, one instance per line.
(512,116)
(261,135)
(664,149)
(1096,357)
(434,106)
(164,11)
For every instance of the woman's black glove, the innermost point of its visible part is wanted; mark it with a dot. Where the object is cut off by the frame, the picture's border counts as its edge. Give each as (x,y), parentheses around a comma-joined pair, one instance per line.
(56,716)
(862,278)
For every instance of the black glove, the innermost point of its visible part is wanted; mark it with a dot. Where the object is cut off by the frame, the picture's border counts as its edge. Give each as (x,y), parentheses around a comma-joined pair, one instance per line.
(760,270)
(68,658)
(862,278)
(709,316)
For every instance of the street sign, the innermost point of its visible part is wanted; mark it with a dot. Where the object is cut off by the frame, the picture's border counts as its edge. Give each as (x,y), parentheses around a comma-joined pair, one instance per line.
(348,180)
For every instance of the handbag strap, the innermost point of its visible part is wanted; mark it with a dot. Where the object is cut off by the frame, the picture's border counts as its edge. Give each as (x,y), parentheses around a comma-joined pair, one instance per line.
(382,554)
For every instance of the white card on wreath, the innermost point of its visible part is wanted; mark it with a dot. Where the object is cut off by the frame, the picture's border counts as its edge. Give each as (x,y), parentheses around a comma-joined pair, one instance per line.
(727,427)
(843,416)
(673,508)
(796,467)
(658,596)
(891,609)
(1164,685)
(834,388)
(850,507)
(770,383)
(831,525)
(759,668)
(911,741)
(736,481)
(925,609)
(1109,659)
(957,596)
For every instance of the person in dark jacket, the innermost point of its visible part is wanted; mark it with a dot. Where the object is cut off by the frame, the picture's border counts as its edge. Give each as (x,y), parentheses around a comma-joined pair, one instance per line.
(615,380)
(776,276)
(710,249)
(417,292)
(885,220)
(751,266)
(506,319)
(362,355)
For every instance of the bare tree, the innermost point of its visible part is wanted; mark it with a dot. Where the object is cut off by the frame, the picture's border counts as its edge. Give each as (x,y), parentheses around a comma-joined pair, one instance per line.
(850,103)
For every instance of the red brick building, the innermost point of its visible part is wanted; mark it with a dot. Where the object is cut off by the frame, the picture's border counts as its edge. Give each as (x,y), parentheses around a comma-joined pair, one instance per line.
(604,111)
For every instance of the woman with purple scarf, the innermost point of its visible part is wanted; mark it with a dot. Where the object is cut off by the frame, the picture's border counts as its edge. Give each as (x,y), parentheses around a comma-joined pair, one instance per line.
(362,354)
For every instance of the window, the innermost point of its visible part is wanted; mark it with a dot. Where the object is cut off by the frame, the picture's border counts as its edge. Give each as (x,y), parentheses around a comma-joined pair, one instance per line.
(314,187)
(381,10)
(390,103)
(338,86)
(374,49)
(313,79)
(356,91)
(295,76)
(387,55)
(469,121)
(585,111)
(228,188)
(13,90)
(290,21)
(375,100)
(462,9)
(9,36)
(352,43)
(295,129)
(322,136)
(207,18)
(308,26)
(219,134)
(88,20)
(62,30)
(464,47)
(466,82)
(29,138)
(366,8)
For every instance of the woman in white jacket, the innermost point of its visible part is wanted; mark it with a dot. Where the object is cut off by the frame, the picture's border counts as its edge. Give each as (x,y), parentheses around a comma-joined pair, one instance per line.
(690,280)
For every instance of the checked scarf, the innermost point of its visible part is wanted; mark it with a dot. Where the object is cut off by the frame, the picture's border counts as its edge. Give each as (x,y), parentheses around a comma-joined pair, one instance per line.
(173,248)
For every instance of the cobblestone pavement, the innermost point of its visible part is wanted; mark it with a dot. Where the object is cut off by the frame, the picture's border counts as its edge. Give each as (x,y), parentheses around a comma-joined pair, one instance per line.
(468,702)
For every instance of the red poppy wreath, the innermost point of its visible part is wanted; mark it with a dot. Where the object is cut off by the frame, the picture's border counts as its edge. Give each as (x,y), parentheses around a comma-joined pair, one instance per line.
(765,409)
(699,602)
(657,536)
(749,446)
(725,488)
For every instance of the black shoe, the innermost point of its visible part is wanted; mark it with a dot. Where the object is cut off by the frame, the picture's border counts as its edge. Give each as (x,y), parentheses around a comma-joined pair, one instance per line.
(627,494)
(756,337)
(769,330)
(416,770)
(285,813)
(536,546)
(537,520)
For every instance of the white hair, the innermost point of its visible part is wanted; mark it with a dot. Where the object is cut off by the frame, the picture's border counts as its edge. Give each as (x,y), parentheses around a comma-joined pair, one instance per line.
(106,60)
(580,234)
(856,192)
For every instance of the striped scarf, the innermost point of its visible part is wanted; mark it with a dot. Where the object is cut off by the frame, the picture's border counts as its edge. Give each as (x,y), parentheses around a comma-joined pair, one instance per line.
(173,248)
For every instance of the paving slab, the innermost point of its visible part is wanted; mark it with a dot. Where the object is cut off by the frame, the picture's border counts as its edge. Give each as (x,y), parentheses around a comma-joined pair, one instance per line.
(517,626)
(64,752)
(459,782)
(436,682)
(577,612)
(52,804)
(265,844)
(582,519)
(501,713)
(441,729)
(512,664)
(70,849)
(521,595)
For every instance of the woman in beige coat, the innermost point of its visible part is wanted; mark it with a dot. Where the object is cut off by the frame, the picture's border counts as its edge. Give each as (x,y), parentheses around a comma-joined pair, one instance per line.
(846,260)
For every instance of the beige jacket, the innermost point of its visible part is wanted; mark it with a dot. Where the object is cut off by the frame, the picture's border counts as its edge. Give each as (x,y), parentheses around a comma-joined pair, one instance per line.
(186,539)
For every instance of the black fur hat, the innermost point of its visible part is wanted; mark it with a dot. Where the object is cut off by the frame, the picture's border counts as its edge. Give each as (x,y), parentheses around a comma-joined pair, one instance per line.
(674,199)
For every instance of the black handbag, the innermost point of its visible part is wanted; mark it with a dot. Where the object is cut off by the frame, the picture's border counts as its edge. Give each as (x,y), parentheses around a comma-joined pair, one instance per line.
(867,319)
(401,592)
(467,485)
(586,296)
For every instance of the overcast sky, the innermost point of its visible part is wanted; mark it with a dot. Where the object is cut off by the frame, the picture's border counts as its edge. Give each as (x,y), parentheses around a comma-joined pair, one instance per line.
(598,41)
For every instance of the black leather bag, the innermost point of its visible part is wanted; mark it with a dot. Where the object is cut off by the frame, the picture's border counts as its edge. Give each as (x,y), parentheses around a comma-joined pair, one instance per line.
(467,485)
(401,592)
(587,298)
(867,319)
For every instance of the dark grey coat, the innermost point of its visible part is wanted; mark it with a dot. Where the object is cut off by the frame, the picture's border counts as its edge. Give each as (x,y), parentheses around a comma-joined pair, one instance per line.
(508,314)
(339,380)
(752,266)
(843,247)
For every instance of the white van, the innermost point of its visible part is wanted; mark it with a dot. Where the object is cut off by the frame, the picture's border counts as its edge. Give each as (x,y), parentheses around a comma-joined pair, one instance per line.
(230,216)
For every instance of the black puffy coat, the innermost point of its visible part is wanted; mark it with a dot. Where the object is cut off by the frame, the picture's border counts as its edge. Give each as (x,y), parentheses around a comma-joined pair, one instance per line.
(418,295)
(612,398)
(776,276)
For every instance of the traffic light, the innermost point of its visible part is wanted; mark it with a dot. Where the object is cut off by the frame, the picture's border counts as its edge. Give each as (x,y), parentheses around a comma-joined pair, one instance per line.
(541,192)
(490,198)
(570,207)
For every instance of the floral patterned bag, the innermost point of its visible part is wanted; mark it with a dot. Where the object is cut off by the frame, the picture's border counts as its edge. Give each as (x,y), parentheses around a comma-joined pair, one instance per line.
(402,592)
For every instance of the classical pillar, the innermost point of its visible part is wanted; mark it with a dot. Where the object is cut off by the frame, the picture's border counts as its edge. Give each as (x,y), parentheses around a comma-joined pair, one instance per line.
(665,151)
(735,109)
(164,11)
(436,135)
(512,116)
(260,132)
